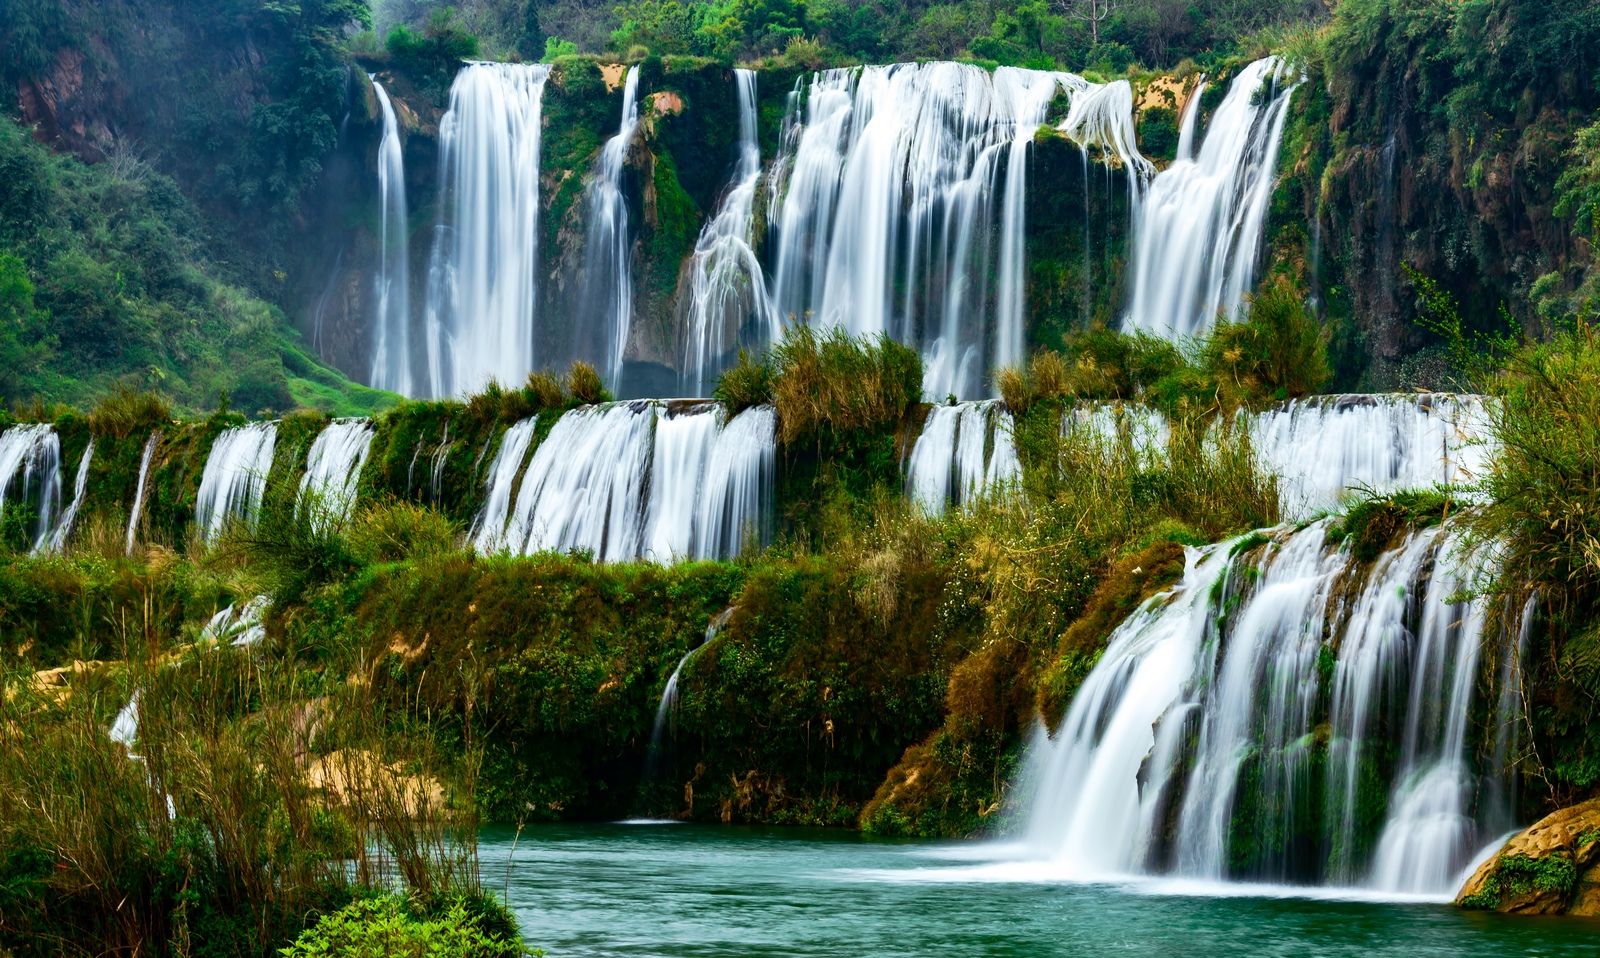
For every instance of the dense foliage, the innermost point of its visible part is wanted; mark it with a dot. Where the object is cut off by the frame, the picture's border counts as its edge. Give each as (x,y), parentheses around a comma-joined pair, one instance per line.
(105,277)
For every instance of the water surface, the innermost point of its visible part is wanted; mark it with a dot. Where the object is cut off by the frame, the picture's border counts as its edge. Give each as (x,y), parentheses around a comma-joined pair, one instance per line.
(679,890)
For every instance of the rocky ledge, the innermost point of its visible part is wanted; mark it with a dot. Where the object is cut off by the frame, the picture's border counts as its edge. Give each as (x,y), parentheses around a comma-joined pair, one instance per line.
(1552,868)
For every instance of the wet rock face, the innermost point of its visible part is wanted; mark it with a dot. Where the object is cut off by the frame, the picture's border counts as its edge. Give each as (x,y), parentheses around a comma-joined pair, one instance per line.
(1553,868)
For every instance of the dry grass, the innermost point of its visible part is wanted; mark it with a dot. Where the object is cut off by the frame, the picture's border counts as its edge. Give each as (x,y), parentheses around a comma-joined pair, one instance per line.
(828,380)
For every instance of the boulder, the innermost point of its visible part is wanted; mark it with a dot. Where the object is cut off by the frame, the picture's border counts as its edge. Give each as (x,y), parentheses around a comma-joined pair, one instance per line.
(1552,868)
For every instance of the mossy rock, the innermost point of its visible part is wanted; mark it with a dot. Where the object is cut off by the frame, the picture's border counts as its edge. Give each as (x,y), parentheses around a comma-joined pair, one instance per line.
(1552,868)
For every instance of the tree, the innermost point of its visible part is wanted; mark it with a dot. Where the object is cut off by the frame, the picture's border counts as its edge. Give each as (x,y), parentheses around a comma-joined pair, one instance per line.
(532,42)
(1092,12)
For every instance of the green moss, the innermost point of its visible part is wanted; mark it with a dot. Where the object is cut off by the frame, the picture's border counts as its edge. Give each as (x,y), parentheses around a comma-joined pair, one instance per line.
(1520,875)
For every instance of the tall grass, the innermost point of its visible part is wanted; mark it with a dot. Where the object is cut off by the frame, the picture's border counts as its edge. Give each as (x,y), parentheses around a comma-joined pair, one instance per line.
(829,380)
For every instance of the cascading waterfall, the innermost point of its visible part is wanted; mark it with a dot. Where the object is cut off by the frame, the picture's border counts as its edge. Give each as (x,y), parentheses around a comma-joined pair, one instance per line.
(30,469)
(584,487)
(1239,725)
(736,502)
(964,451)
(489,528)
(391,327)
(62,531)
(141,488)
(482,283)
(634,480)
(333,469)
(235,477)
(683,443)
(1324,447)
(887,220)
(727,286)
(1198,230)
(608,247)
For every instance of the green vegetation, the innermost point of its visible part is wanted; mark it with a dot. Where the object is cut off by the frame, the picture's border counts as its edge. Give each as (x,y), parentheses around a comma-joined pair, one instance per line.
(389,927)
(1277,352)
(104,281)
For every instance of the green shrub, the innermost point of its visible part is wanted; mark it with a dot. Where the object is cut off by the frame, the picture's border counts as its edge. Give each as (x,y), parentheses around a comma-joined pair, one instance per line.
(585,384)
(828,380)
(390,927)
(747,383)
(394,531)
(126,411)
(1278,352)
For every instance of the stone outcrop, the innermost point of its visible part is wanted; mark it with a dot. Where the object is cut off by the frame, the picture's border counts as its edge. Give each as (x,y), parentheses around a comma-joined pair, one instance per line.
(1553,868)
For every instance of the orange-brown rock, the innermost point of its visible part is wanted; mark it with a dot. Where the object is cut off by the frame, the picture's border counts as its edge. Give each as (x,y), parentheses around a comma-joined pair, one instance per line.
(1552,868)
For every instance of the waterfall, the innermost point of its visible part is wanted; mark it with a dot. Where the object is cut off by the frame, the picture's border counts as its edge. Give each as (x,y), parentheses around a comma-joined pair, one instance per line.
(391,339)
(736,502)
(1283,714)
(241,625)
(1198,230)
(608,247)
(125,727)
(964,451)
(62,530)
(666,708)
(683,443)
(1324,447)
(30,469)
(234,478)
(482,283)
(727,286)
(634,480)
(488,529)
(333,470)
(140,489)
(888,220)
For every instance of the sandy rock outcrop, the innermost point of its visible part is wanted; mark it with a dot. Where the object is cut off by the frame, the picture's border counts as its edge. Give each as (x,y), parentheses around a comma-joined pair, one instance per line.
(1552,868)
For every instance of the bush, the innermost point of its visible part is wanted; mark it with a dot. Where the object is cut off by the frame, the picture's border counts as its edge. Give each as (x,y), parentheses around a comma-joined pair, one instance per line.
(585,384)
(747,383)
(1280,351)
(126,411)
(390,927)
(829,380)
(395,531)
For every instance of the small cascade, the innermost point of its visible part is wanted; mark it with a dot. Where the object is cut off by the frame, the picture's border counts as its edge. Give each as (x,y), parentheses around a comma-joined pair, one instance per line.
(30,471)
(141,489)
(235,477)
(727,286)
(584,487)
(125,727)
(62,531)
(441,458)
(483,290)
(888,220)
(634,480)
(667,707)
(489,528)
(1324,447)
(239,625)
(1283,714)
(683,444)
(965,451)
(608,247)
(333,470)
(1197,233)
(391,337)
(1140,429)
(736,502)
